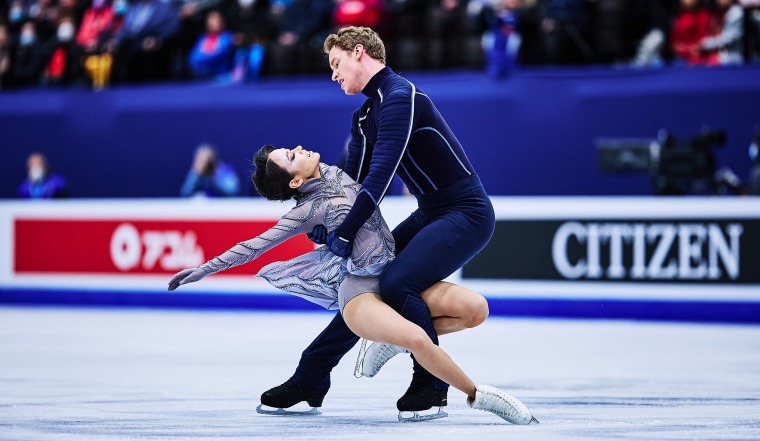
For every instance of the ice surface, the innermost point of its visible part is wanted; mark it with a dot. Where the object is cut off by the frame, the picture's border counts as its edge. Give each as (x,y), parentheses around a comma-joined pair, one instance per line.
(117,374)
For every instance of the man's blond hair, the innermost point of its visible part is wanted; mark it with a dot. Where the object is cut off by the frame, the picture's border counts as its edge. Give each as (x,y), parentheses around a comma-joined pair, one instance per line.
(348,37)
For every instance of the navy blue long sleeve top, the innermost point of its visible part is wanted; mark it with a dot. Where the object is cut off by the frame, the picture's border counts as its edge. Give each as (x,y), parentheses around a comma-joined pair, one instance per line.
(398,130)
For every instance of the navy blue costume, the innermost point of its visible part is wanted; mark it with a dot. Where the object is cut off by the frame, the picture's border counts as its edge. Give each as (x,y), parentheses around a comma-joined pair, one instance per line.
(398,130)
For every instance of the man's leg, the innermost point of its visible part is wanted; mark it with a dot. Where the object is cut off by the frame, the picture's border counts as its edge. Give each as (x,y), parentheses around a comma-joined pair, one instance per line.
(311,380)
(430,252)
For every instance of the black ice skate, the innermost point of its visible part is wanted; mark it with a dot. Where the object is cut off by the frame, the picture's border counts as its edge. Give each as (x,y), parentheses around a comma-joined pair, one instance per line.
(287,395)
(419,399)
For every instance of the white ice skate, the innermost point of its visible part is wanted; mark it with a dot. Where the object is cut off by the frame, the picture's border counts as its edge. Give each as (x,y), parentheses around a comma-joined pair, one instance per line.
(493,400)
(371,360)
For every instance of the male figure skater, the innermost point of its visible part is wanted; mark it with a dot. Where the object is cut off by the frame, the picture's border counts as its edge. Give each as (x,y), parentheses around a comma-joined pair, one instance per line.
(397,130)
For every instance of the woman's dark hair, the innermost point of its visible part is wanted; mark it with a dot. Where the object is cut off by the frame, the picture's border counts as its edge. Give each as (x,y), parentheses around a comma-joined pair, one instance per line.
(271,180)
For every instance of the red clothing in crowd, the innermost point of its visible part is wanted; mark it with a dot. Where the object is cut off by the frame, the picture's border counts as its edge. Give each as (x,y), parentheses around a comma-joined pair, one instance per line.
(689,28)
(94,22)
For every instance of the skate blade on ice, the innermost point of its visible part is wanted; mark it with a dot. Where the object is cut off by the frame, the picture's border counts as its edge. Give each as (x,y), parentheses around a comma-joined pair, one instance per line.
(415,417)
(266,410)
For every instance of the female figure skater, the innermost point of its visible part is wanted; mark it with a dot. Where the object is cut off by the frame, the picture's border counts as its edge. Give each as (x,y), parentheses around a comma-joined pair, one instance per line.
(324,195)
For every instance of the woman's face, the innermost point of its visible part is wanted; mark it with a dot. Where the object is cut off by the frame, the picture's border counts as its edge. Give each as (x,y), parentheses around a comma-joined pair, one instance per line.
(298,162)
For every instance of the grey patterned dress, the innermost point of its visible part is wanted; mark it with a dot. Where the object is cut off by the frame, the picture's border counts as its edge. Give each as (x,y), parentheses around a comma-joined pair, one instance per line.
(316,275)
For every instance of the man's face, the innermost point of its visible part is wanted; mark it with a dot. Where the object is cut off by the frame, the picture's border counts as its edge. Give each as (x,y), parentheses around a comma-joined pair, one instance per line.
(346,69)
(298,162)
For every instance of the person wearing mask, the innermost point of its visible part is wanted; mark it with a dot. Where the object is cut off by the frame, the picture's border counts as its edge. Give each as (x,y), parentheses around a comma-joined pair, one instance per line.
(28,58)
(64,66)
(40,182)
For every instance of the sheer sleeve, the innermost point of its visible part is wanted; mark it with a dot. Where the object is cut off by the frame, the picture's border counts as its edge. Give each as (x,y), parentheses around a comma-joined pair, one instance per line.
(298,220)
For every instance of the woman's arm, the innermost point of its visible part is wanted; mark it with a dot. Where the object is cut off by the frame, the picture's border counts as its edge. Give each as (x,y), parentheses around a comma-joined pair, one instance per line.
(291,224)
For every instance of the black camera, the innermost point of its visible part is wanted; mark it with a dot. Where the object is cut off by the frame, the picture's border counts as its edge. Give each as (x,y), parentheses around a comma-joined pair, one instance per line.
(677,166)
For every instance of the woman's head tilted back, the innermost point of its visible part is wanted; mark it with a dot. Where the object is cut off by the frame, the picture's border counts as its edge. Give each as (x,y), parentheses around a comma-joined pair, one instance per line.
(271,180)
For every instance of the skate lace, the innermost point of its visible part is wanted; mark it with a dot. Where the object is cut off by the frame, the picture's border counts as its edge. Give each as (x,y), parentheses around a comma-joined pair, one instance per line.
(500,403)
(358,369)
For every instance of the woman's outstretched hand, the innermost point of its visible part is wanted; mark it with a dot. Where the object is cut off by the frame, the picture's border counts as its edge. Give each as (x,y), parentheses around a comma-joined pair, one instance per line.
(186,276)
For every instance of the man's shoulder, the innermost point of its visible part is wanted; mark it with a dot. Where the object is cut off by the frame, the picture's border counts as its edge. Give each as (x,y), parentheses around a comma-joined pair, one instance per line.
(396,84)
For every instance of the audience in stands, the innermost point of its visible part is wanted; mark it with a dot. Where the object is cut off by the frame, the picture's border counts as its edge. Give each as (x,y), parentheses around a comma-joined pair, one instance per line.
(152,40)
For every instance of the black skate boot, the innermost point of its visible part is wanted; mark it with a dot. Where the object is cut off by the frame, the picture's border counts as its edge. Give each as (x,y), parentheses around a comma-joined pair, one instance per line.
(289,394)
(421,398)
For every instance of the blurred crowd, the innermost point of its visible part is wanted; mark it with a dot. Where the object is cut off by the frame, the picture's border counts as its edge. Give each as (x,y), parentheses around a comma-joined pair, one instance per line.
(94,43)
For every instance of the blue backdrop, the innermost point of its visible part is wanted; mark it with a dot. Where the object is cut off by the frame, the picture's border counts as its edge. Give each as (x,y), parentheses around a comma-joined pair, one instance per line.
(531,134)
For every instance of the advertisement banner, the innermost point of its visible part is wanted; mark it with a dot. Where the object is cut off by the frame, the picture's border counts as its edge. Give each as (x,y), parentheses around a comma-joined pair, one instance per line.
(664,250)
(137,246)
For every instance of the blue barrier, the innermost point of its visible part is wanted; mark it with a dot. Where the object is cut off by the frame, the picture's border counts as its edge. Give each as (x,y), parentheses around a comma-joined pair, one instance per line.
(670,310)
(531,134)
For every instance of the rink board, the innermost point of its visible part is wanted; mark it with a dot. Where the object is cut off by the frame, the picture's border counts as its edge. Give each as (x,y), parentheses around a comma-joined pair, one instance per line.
(639,258)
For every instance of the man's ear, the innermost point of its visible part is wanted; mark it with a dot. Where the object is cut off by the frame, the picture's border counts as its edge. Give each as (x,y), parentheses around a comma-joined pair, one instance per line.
(296,182)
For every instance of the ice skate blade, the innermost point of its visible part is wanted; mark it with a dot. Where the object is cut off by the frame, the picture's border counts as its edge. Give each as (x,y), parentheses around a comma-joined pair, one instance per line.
(533,420)
(416,417)
(280,411)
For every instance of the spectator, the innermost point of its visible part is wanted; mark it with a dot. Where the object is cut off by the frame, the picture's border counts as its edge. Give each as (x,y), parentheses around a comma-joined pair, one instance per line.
(728,42)
(64,66)
(41,183)
(209,176)
(142,44)
(99,24)
(191,24)
(253,26)
(212,54)
(27,58)
(690,27)
(502,39)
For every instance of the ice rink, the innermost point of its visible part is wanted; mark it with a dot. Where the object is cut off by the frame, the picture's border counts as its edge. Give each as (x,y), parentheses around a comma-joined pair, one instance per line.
(113,374)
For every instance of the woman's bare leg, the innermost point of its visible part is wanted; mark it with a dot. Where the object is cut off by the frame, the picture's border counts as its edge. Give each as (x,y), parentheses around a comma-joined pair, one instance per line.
(454,308)
(369,317)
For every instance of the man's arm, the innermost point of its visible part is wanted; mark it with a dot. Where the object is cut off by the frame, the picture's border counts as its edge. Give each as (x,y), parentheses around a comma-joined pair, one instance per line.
(395,121)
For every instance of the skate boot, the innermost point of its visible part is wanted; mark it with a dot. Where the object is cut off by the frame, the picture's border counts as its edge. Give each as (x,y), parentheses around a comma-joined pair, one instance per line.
(289,394)
(421,398)
(377,355)
(493,400)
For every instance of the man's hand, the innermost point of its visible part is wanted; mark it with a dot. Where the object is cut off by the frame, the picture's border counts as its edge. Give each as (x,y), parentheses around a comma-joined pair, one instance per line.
(318,235)
(186,276)
(340,246)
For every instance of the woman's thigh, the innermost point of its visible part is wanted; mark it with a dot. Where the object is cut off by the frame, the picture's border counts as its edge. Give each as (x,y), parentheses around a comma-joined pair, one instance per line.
(369,317)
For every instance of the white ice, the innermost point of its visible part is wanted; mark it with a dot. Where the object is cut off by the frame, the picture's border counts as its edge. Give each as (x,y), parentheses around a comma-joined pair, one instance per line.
(119,374)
